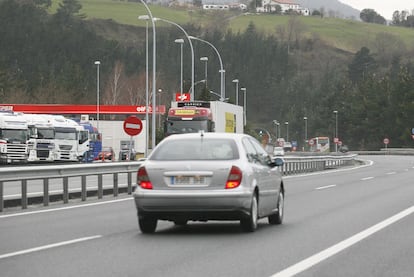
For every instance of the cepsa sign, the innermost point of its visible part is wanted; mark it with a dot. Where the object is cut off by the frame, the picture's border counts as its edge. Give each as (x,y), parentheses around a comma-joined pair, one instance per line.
(133,126)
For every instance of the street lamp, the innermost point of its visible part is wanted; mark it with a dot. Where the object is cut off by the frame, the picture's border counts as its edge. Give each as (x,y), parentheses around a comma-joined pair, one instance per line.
(306,131)
(146,18)
(97,63)
(276,128)
(244,105)
(336,131)
(154,71)
(222,71)
(287,131)
(237,90)
(192,51)
(205,60)
(181,42)
(219,96)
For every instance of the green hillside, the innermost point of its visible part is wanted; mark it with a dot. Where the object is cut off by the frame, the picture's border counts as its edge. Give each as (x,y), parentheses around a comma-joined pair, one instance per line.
(347,35)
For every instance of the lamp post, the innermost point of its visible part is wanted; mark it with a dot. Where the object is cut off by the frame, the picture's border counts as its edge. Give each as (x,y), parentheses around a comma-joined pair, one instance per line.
(287,131)
(196,83)
(146,18)
(222,71)
(154,70)
(97,63)
(236,81)
(306,131)
(244,105)
(336,131)
(276,123)
(205,60)
(181,42)
(192,51)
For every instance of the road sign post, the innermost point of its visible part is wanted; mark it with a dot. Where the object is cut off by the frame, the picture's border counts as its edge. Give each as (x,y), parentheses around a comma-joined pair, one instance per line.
(386,142)
(133,127)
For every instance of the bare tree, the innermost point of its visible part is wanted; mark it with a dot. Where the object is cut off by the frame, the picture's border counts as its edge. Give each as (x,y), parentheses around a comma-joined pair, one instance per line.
(115,85)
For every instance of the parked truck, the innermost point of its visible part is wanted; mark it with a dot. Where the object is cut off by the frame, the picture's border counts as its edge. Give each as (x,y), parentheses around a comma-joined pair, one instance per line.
(13,138)
(41,138)
(208,116)
(71,139)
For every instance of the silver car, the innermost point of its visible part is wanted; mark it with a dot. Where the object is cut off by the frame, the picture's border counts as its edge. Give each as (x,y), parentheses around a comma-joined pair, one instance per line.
(209,176)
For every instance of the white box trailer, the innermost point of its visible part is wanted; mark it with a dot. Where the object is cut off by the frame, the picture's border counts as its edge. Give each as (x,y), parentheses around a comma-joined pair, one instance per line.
(227,117)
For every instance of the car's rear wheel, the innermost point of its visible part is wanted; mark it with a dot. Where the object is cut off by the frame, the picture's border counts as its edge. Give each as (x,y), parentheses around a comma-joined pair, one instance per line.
(277,218)
(147,225)
(249,224)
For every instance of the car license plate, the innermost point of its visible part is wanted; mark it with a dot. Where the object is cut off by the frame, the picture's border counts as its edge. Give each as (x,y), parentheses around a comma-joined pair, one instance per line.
(188,180)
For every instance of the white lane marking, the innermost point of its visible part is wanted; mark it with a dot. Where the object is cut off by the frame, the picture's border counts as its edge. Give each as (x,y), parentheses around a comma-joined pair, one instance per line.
(326,187)
(40,248)
(367,178)
(329,252)
(391,173)
(66,208)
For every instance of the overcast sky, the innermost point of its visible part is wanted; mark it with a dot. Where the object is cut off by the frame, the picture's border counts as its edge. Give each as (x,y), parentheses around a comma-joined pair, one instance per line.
(384,7)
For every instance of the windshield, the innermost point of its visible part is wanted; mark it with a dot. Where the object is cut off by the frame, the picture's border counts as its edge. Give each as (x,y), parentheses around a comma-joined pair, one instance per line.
(13,134)
(45,133)
(65,133)
(181,127)
(196,149)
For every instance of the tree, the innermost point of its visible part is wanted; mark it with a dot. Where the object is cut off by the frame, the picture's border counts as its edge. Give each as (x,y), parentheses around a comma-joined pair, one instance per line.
(69,9)
(371,16)
(362,64)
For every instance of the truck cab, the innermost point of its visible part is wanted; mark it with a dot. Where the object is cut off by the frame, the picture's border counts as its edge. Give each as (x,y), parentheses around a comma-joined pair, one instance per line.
(13,138)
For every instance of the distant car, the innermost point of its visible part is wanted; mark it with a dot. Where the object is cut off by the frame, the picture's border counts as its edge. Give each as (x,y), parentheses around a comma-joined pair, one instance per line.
(209,176)
(344,149)
(278,151)
(107,153)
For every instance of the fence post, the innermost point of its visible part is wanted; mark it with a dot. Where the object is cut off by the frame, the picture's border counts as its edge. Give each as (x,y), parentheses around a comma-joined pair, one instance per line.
(1,196)
(24,194)
(45,192)
(84,193)
(100,189)
(129,182)
(65,190)
(115,184)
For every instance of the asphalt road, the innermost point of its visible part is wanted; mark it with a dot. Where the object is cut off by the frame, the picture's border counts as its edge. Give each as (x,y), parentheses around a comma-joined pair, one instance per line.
(355,222)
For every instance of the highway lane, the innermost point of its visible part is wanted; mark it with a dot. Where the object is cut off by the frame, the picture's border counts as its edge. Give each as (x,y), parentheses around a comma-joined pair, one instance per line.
(322,210)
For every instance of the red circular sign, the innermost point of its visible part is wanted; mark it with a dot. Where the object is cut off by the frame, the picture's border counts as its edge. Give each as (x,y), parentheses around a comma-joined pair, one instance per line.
(386,141)
(133,125)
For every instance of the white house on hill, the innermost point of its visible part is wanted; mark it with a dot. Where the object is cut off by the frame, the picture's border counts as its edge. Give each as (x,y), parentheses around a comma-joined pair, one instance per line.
(285,5)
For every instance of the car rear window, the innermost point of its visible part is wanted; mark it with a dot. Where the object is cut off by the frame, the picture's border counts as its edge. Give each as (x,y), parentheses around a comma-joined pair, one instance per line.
(196,149)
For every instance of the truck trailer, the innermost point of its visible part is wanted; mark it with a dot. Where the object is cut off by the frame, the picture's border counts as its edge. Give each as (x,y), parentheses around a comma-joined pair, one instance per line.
(207,116)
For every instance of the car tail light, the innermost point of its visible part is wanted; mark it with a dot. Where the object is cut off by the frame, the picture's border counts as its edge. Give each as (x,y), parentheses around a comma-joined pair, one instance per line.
(235,177)
(143,179)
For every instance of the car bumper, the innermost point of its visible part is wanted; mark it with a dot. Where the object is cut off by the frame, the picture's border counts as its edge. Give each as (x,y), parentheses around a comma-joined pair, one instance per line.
(193,205)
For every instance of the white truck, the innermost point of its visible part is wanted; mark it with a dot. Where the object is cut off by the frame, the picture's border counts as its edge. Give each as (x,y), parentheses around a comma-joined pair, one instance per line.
(71,140)
(13,138)
(41,138)
(210,116)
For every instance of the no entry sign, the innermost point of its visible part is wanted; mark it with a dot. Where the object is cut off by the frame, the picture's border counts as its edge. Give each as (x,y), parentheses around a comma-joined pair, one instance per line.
(133,126)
